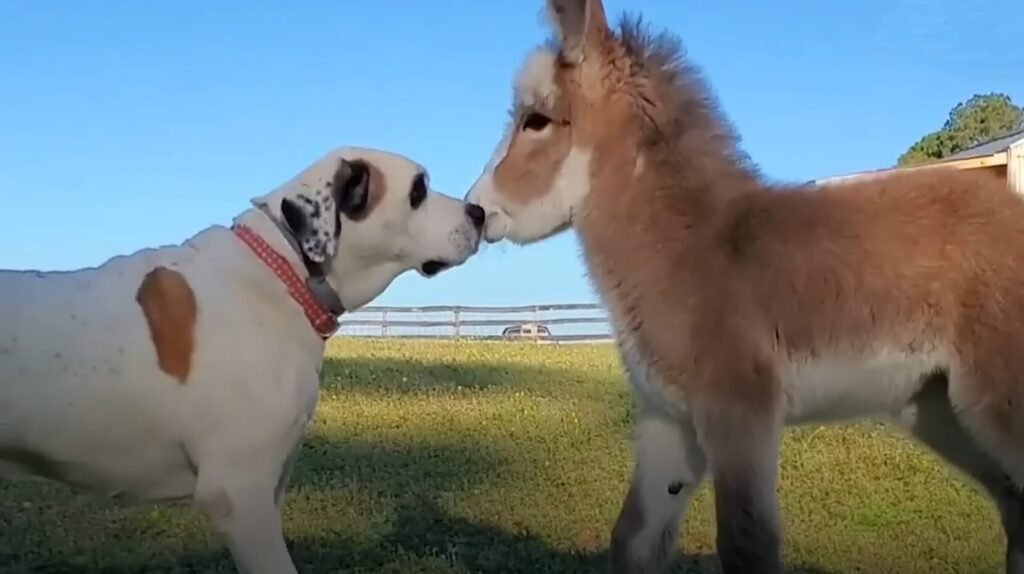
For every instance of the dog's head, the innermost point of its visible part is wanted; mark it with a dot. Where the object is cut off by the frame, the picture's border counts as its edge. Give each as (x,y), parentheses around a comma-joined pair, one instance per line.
(365,216)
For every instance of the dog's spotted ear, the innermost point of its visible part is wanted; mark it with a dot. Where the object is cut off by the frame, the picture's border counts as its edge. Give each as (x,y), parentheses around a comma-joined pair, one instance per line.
(310,218)
(314,214)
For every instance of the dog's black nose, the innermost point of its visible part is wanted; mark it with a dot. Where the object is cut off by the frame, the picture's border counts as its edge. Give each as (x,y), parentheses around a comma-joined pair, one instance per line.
(476,215)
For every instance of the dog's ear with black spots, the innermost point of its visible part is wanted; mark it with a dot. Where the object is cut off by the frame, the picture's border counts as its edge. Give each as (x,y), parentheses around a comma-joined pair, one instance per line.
(314,215)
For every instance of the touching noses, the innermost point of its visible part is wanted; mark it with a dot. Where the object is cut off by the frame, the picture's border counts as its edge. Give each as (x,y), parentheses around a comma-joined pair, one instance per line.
(476,215)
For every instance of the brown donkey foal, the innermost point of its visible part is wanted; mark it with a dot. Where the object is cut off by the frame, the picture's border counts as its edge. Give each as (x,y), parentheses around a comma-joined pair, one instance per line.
(743,306)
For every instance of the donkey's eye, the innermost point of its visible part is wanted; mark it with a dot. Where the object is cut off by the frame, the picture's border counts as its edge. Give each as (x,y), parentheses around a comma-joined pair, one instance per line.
(418,192)
(535,122)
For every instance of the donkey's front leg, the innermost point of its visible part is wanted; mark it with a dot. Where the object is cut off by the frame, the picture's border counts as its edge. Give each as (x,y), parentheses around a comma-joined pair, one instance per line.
(742,444)
(670,465)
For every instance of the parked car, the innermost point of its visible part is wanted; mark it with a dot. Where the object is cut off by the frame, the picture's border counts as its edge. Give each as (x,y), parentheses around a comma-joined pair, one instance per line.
(526,331)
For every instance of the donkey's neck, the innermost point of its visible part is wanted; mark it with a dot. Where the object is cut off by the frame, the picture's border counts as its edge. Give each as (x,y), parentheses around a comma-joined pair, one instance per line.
(652,212)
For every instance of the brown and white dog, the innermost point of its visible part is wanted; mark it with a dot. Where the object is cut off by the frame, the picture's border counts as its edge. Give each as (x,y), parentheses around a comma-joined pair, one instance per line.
(743,306)
(191,372)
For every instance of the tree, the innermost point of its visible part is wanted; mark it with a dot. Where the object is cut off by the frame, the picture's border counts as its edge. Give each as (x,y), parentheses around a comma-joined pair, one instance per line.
(981,118)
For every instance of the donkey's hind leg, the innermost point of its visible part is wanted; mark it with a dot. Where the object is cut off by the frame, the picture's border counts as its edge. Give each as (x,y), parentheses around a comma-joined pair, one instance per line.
(930,418)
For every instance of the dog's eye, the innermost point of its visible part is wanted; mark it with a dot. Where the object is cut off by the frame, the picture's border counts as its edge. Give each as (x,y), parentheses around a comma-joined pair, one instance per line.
(418,192)
(535,122)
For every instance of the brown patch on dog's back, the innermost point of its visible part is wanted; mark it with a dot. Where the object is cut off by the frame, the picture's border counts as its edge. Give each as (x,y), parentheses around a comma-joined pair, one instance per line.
(169,306)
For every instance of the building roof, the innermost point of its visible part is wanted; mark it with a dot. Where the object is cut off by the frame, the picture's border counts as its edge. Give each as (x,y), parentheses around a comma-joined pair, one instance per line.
(989,147)
(990,153)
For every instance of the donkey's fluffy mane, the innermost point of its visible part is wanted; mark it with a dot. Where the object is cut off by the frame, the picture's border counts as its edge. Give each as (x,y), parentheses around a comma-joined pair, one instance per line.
(680,114)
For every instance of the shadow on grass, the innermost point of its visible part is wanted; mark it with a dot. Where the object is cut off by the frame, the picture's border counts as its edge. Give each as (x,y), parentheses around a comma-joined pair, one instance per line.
(453,545)
(425,539)
(409,480)
(390,375)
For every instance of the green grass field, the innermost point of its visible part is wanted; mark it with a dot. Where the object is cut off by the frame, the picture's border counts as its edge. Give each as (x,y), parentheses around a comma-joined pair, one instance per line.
(477,457)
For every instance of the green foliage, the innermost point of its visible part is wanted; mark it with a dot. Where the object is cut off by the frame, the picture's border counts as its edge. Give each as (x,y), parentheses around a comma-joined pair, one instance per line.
(981,118)
(506,458)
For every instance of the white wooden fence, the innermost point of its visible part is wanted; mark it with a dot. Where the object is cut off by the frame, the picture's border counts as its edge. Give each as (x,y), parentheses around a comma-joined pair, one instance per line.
(555,323)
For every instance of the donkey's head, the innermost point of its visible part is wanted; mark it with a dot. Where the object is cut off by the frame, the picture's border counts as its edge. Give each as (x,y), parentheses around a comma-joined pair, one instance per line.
(593,109)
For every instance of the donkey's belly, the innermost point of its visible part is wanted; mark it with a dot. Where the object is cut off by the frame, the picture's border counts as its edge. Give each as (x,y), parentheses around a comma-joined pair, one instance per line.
(834,387)
(826,388)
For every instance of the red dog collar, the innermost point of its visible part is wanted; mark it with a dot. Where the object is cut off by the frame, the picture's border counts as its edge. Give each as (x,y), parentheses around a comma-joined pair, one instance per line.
(323,321)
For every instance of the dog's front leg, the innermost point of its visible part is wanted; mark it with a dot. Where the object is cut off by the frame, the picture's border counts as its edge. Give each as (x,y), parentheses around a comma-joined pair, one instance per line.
(281,490)
(241,505)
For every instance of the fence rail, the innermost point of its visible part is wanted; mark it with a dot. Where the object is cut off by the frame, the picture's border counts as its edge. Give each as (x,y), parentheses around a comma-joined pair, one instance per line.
(548,323)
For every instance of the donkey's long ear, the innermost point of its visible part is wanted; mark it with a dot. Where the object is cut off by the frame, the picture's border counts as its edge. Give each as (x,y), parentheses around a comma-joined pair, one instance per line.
(580,24)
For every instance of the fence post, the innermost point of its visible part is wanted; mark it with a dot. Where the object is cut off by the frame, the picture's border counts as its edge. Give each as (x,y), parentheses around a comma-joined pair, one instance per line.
(458,322)
(536,320)
(384,324)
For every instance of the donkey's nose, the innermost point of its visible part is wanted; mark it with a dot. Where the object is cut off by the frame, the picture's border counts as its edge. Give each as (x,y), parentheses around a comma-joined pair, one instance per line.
(476,215)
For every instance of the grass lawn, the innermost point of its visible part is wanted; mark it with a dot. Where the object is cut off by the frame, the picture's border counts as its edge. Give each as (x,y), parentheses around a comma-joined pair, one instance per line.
(492,457)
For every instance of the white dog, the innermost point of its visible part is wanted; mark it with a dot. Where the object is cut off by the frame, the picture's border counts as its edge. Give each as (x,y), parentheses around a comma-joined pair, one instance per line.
(191,372)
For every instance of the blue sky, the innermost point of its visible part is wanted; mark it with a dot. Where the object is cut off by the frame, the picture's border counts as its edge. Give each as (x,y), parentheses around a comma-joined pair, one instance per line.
(127,124)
